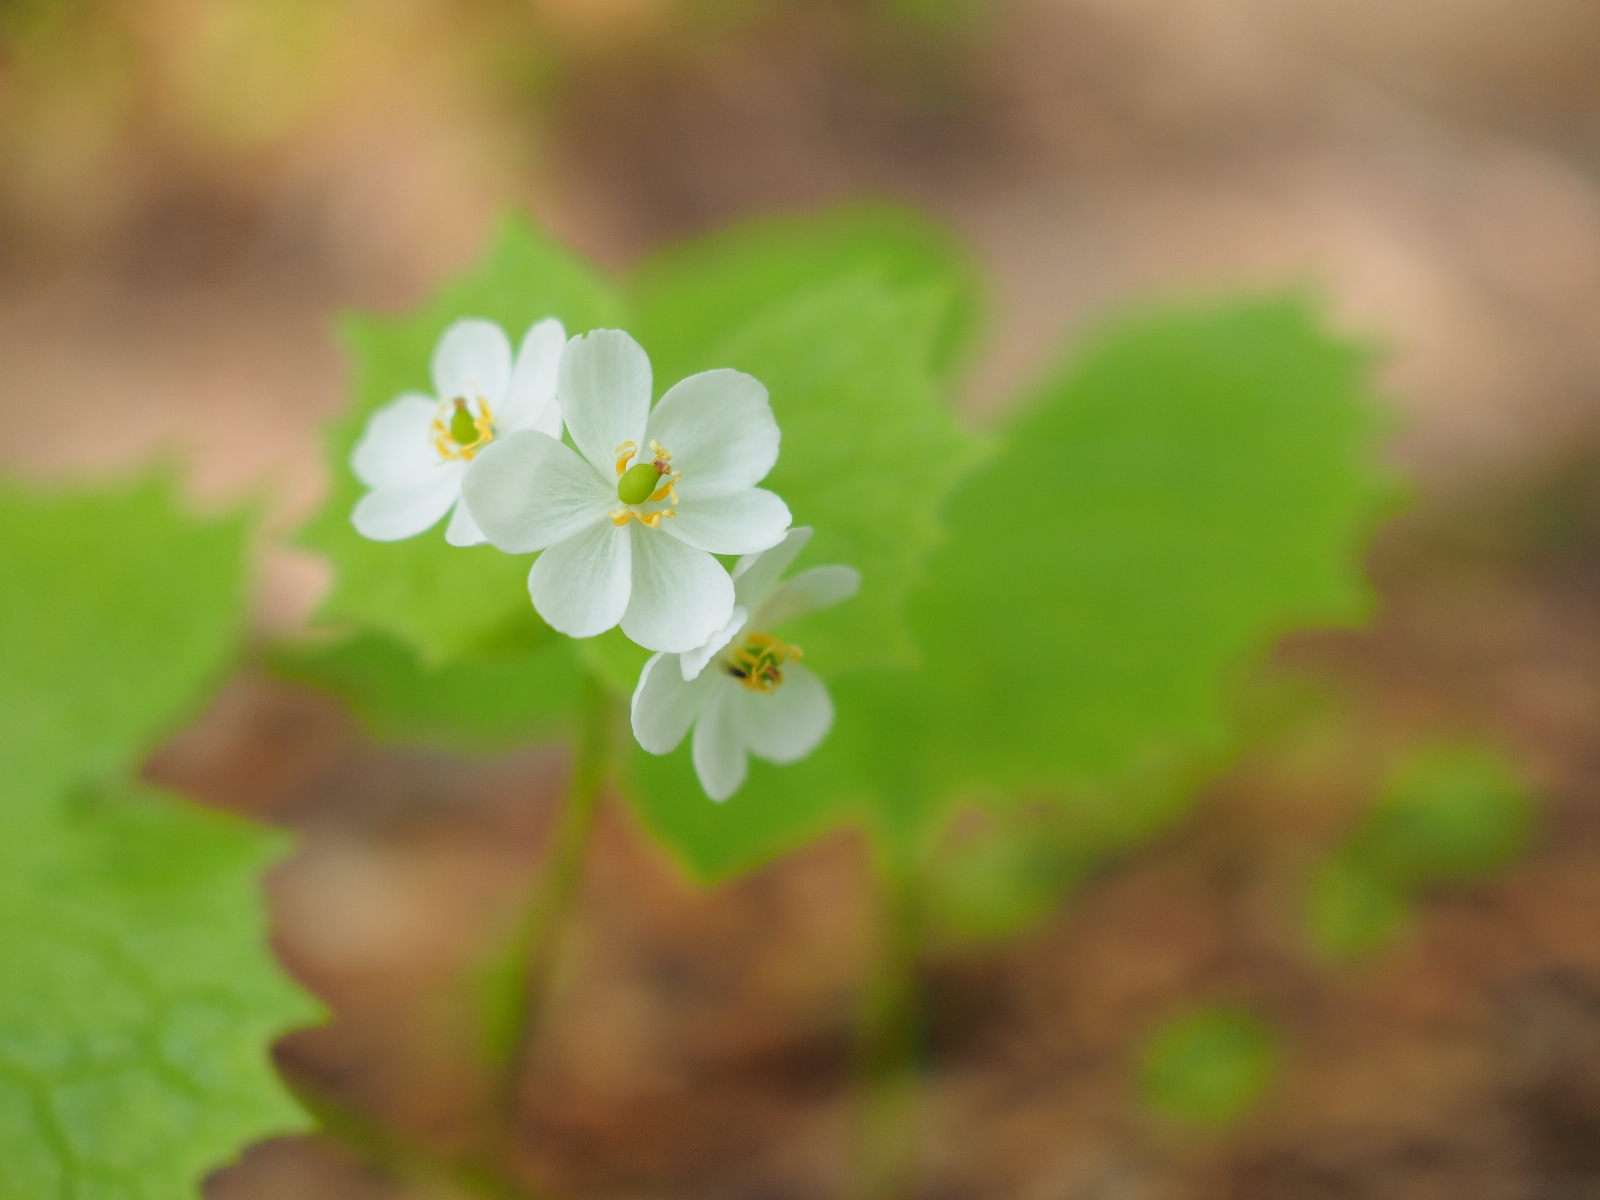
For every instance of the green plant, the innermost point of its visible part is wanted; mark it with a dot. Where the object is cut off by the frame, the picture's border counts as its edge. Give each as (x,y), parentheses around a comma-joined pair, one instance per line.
(1450,814)
(1207,1067)
(1051,619)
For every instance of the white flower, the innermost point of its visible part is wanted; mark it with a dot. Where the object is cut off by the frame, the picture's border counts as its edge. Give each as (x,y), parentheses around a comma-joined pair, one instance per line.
(414,451)
(743,690)
(628,528)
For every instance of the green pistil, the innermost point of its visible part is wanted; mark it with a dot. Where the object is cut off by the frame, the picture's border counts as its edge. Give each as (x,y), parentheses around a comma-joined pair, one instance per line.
(463,430)
(638,482)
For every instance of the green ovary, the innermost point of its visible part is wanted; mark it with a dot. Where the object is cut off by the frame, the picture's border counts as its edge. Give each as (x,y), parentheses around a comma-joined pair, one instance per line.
(463,431)
(638,482)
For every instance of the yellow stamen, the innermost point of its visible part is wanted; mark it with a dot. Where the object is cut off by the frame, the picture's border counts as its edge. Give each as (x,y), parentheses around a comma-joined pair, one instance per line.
(449,448)
(759,663)
(668,488)
(653,520)
(625,453)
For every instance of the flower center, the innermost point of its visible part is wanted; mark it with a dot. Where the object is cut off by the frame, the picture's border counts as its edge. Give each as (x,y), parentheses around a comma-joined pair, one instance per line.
(645,482)
(464,434)
(759,663)
(637,482)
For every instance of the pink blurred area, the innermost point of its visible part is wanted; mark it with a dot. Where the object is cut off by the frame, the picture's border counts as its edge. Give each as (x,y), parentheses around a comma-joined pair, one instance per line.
(191,190)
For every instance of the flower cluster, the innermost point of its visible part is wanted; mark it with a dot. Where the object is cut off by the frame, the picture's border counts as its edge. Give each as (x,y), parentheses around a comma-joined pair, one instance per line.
(628,519)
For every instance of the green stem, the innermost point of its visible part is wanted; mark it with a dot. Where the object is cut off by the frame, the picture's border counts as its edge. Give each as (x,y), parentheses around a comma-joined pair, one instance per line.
(887,1050)
(516,989)
(519,986)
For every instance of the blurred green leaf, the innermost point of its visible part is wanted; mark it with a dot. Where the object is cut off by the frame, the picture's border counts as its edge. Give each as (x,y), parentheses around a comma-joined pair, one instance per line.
(445,602)
(471,707)
(139,998)
(614,660)
(849,319)
(949,17)
(1352,910)
(869,451)
(1200,482)
(855,321)
(115,615)
(1451,813)
(691,297)
(1209,1067)
(998,883)
(1012,865)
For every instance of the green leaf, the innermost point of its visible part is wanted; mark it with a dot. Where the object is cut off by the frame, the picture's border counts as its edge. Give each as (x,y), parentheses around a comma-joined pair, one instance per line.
(138,996)
(471,707)
(1010,866)
(1354,910)
(1198,483)
(855,321)
(445,602)
(138,1000)
(115,615)
(870,451)
(1451,813)
(691,296)
(1209,1067)
(613,660)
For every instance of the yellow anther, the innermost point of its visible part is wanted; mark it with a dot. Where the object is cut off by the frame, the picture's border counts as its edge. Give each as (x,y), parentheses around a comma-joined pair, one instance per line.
(447,438)
(668,488)
(625,453)
(759,663)
(652,520)
(630,489)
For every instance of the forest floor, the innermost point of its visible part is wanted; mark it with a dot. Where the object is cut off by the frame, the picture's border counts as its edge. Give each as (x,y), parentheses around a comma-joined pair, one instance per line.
(699,1042)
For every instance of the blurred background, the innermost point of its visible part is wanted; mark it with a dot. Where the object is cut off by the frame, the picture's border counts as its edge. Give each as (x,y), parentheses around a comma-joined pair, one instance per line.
(191,190)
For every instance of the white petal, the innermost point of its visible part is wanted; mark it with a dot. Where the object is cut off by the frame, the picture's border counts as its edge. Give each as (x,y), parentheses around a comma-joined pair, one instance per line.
(755,575)
(719,758)
(604,385)
(580,586)
(692,662)
(681,596)
(720,429)
(463,530)
(529,491)
(396,448)
(787,724)
(530,401)
(665,704)
(820,587)
(737,523)
(472,362)
(393,514)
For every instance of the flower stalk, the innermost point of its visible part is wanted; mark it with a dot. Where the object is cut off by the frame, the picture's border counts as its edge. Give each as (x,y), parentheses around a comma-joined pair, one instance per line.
(519,984)
(889,1046)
